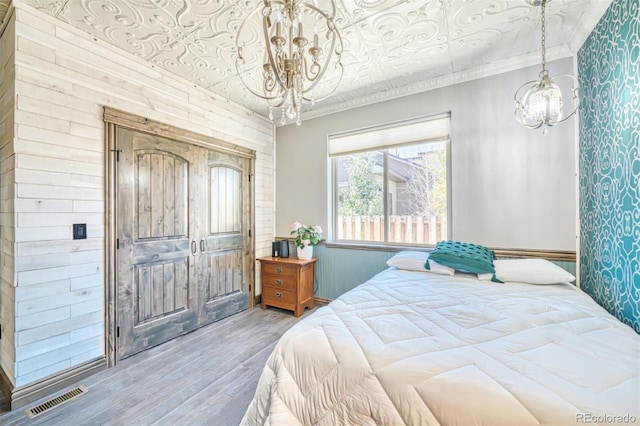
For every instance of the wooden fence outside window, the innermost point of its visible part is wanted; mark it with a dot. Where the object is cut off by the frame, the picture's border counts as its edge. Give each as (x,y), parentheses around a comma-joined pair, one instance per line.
(402,229)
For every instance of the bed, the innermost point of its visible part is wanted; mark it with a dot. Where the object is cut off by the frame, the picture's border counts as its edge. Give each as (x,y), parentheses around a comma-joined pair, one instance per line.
(414,348)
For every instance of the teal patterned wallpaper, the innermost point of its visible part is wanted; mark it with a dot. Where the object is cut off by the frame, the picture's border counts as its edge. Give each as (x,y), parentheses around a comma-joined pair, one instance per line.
(609,162)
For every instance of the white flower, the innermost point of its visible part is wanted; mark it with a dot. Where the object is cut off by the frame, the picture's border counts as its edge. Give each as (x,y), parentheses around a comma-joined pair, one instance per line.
(305,235)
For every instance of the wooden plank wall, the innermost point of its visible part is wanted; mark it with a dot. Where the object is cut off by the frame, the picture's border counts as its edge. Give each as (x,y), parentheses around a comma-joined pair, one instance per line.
(64,77)
(7,173)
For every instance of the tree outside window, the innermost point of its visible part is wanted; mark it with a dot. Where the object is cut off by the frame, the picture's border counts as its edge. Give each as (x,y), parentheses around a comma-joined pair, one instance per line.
(416,194)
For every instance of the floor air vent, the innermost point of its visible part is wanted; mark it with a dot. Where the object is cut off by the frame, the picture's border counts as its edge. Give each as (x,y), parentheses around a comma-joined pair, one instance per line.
(54,402)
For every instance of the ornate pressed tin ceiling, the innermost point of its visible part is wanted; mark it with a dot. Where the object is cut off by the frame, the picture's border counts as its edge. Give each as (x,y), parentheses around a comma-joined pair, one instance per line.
(391,46)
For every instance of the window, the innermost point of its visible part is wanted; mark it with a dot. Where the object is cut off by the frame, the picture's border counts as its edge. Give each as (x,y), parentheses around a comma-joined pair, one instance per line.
(390,183)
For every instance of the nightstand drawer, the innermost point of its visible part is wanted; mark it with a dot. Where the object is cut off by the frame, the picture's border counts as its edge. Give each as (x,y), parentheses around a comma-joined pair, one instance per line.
(278,296)
(281,269)
(279,281)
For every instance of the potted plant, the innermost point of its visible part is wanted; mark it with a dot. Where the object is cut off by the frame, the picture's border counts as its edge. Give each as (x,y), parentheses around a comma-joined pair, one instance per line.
(305,238)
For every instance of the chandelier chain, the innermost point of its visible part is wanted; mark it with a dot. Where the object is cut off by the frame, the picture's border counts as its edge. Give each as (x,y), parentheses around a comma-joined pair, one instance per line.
(544,37)
(539,103)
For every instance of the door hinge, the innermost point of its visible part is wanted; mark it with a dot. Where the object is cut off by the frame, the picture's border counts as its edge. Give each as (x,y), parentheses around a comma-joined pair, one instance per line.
(118,331)
(249,232)
(249,178)
(117,151)
(117,243)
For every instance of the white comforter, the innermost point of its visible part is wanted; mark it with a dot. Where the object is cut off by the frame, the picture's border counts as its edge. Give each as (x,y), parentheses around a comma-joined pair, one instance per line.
(419,348)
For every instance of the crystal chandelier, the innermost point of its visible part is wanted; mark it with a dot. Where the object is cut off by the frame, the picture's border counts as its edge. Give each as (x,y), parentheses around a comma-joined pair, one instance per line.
(539,102)
(282,65)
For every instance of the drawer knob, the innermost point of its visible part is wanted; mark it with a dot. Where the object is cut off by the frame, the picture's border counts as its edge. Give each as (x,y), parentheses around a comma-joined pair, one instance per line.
(279,282)
(279,270)
(278,294)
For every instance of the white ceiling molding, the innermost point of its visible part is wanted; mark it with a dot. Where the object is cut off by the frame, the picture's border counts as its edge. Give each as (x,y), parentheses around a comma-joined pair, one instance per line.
(587,23)
(392,47)
(498,67)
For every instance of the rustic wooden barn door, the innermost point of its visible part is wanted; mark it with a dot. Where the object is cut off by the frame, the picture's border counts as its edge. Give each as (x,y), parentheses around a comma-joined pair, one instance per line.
(183,257)
(224,247)
(178,228)
(156,265)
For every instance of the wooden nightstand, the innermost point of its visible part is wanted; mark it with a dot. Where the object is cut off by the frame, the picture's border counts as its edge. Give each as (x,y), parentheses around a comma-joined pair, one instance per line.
(287,283)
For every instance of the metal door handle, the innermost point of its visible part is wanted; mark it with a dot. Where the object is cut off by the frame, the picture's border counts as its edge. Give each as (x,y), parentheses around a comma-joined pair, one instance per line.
(203,246)
(278,269)
(194,247)
(279,282)
(278,294)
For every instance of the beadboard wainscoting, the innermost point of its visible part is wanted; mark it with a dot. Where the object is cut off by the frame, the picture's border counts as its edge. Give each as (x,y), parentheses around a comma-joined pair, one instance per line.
(52,285)
(340,269)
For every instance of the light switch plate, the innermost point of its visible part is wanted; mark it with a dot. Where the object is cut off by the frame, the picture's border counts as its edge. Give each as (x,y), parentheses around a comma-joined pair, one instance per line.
(79,231)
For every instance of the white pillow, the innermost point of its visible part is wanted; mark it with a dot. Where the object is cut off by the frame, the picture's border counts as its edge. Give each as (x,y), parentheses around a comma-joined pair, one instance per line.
(529,271)
(415,260)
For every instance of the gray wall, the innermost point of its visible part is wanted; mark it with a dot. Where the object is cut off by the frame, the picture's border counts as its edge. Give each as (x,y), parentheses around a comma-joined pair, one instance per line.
(511,187)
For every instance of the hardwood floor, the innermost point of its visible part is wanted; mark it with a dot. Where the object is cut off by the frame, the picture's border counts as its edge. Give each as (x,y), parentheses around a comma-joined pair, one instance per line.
(207,377)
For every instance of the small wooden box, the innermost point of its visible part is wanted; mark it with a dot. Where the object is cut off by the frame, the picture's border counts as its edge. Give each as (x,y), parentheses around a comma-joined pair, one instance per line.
(287,283)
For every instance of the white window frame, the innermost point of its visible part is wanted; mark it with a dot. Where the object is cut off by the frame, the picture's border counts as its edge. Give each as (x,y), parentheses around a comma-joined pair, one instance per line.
(418,131)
